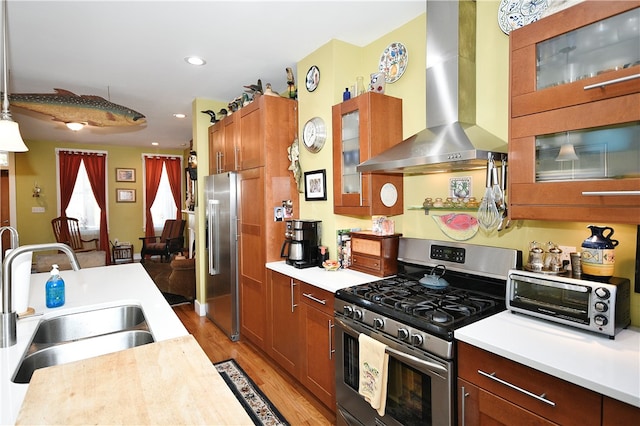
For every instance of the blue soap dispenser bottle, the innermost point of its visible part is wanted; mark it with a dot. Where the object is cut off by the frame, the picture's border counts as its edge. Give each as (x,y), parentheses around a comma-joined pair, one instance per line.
(54,289)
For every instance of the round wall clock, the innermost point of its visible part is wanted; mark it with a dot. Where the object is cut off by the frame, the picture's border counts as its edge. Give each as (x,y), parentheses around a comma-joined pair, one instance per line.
(314,134)
(313,78)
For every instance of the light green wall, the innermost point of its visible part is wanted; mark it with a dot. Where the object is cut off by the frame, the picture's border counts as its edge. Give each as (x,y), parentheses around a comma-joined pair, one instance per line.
(39,165)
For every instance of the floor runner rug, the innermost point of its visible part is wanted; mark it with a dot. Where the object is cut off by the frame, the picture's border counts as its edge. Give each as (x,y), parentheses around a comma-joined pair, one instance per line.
(255,403)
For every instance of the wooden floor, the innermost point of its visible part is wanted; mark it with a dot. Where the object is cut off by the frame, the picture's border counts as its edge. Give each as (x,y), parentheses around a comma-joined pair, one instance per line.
(293,401)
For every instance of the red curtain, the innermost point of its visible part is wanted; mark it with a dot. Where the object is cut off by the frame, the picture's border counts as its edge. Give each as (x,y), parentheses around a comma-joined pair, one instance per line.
(153,172)
(96,171)
(69,166)
(174,173)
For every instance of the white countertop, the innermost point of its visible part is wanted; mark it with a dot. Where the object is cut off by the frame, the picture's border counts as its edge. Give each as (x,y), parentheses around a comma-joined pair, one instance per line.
(609,367)
(86,289)
(327,280)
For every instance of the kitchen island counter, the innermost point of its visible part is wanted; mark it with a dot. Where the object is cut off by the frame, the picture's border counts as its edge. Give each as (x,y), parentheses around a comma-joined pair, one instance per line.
(610,367)
(331,281)
(87,289)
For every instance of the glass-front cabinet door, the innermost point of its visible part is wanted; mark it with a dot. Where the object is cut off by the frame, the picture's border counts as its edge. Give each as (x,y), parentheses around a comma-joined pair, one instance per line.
(602,47)
(363,127)
(351,179)
(574,138)
(582,54)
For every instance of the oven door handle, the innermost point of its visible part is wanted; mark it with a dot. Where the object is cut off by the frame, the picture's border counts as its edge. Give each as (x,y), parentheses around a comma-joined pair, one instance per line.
(409,359)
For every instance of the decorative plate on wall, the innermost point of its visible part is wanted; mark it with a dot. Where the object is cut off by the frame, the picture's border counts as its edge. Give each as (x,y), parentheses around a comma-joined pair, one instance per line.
(313,78)
(514,14)
(393,61)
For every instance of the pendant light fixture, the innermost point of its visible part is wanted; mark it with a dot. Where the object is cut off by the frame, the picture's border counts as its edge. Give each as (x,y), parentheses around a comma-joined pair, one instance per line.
(567,151)
(10,139)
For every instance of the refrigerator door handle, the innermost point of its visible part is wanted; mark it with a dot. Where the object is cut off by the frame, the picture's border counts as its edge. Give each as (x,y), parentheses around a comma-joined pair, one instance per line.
(214,237)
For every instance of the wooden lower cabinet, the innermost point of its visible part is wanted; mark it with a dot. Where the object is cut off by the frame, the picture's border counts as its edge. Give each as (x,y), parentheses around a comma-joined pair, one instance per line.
(318,365)
(479,407)
(285,322)
(301,334)
(617,413)
(501,398)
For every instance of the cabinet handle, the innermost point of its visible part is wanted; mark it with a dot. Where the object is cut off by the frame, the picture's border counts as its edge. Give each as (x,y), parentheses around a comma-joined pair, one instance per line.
(610,82)
(331,350)
(293,284)
(610,193)
(463,398)
(540,398)
(315,299)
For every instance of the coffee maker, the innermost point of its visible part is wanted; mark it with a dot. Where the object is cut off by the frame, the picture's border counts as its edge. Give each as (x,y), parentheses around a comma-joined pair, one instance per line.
(302,239)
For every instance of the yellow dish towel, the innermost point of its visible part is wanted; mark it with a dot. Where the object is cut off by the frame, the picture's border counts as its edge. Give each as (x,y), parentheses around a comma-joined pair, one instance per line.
(373,372)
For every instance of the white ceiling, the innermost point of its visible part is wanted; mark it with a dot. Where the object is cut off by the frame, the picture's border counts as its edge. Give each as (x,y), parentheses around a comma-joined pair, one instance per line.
(132,53)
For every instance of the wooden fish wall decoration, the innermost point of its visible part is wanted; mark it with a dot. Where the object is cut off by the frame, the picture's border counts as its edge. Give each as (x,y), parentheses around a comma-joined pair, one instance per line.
(68,107)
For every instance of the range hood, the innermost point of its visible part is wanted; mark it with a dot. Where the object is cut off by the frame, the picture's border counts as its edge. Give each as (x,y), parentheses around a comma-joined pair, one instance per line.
(452,140)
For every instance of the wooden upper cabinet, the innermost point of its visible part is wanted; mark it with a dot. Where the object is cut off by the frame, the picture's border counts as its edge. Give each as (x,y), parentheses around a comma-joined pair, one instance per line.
(580,55)
(574,143)
(222,145)
(363,127)
(266,119)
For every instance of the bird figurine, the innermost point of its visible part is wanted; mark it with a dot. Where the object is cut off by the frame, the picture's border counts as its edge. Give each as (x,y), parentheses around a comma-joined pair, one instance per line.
(255,89)
(291,83)
(222,113)
(211,114)
(270,92)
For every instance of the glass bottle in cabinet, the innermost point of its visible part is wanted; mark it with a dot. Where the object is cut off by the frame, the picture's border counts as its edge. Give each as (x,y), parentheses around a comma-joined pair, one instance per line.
(363,127)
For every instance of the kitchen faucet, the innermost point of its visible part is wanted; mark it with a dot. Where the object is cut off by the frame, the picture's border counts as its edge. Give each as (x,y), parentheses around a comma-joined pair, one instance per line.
(8,316)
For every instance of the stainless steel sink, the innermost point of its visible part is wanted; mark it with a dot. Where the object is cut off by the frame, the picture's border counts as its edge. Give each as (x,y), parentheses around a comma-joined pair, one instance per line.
(81,325)
(83,335)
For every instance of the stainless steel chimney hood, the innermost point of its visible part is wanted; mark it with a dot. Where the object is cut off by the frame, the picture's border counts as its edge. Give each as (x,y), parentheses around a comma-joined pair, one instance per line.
(452,140)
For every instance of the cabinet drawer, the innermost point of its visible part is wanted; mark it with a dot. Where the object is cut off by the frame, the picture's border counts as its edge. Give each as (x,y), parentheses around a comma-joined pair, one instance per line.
(573,404)
(317,297)
(366,264)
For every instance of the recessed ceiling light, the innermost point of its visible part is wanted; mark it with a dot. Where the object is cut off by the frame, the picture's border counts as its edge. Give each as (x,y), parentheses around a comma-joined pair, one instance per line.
(155,143)
(179,115)
(194,60)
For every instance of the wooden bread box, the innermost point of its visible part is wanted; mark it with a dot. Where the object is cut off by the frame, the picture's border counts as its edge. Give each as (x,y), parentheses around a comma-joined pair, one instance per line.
(375,254)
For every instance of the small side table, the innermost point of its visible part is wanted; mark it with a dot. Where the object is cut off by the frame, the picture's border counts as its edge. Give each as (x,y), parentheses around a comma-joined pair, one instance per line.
(121,254)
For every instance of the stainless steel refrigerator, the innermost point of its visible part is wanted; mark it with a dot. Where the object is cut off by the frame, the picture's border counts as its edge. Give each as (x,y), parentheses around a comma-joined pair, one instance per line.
(221,198)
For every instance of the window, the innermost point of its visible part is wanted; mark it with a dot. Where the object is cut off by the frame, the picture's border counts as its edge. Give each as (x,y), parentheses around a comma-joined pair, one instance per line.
(163,207)
(76,170)
(162,175)
(83,205)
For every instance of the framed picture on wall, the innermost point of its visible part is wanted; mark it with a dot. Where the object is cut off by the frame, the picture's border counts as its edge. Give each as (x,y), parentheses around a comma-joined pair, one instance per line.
(125,175)
(125,195)
(315,185)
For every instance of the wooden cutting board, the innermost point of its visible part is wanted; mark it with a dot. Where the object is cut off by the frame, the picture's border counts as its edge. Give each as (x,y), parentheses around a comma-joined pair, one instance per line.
(168,382)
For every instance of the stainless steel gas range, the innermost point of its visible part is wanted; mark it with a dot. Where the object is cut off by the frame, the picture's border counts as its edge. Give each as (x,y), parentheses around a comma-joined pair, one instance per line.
(440,287)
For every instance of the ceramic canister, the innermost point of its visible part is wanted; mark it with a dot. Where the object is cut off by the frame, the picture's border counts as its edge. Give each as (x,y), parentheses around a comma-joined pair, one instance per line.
(598,252)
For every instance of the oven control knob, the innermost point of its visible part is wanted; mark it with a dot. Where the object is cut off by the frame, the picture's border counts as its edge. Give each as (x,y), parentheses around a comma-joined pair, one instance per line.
(403,334)
(602,293)
(378,324)
(600,320)
(357,314)
(348,310)
(601,307)
(417,340)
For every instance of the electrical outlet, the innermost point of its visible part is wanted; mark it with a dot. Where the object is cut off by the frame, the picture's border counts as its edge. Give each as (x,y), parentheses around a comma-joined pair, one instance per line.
(566,251)
(37,209)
